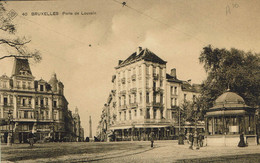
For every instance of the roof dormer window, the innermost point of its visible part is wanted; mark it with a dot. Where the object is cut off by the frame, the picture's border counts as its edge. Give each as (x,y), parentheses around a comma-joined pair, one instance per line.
(41,87)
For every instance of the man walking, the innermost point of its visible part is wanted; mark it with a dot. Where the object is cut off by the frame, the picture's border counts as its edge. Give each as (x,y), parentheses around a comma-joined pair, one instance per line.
(152,138)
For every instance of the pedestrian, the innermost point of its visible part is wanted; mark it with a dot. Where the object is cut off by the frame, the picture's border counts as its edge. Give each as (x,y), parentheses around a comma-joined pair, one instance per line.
(242,141)
(31,139)
(200,140)
(191,139)
(152,138)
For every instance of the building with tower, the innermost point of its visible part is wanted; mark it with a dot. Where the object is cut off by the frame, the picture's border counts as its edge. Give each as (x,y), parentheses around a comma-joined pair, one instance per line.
(33,106)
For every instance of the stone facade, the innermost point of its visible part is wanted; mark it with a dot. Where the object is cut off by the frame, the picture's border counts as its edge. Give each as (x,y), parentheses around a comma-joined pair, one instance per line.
(143,99)
(33,106)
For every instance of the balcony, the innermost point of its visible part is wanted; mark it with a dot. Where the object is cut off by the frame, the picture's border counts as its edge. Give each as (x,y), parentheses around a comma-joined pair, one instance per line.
(157,104)
(123,107)
(133,105)
(133,90)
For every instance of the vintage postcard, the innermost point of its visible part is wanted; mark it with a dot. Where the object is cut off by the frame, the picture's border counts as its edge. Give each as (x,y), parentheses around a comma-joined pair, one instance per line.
(129,81)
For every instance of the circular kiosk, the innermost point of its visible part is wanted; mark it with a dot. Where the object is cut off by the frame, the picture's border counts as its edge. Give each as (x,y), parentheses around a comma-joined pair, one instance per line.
(227,119)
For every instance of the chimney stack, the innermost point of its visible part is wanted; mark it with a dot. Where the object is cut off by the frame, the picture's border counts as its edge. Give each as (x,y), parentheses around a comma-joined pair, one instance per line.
(173,73)
(120,61)
(189,81)
(139,49)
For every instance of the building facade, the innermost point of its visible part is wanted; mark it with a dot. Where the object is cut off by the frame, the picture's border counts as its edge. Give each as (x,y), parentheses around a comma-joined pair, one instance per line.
(144,99)
(33,106)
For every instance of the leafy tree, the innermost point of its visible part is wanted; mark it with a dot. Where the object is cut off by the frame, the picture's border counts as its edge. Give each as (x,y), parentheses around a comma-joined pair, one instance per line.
(234,69)
(8,40)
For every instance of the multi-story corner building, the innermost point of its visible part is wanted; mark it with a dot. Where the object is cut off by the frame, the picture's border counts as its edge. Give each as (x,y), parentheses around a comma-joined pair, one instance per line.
(144,97)
(33,106)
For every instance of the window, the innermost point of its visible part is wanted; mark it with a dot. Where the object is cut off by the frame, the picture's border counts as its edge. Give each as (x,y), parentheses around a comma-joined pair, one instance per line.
(46,100)
(185,96)
(129,99)
(124,115)
(42,102)
(29,85)
(160,71)
(55,104)
(4,84)
(154,70)
(148,113)
(154,113)
(11,99)
(36,101)
(175,90)
(120,116)
(29,101)
(47,115)
(130,115)
(5,101)
(25,114)
(23,102)
(141,98)
(175,101)
(141,112)
(135,113)
(140,70)
(173,114)
(119,101)
(161,98)
(154,84)
(171,89)
(147,97)
(124,99)
(24,86)
(161,83)
(18,84)
(41,87)
(147,70)
(171,101)
(134,98)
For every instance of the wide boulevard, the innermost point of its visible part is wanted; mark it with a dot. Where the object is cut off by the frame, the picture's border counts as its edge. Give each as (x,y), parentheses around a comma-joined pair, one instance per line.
(163,151)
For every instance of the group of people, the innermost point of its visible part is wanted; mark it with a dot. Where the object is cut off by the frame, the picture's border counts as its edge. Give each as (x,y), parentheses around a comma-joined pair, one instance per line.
(191,139)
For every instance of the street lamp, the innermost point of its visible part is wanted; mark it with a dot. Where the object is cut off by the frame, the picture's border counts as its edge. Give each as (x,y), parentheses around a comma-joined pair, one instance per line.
(9,137)
(196,133)
(181,136)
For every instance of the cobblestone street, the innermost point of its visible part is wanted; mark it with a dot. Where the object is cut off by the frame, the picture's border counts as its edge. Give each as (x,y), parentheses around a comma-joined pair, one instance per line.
(164,151)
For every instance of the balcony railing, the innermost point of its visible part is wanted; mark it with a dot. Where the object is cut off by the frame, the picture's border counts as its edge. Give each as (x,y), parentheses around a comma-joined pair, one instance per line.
(133,105)
(157,104)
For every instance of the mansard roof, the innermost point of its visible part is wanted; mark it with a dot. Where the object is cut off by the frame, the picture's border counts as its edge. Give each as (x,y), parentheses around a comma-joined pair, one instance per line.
(145,54)
(21,67)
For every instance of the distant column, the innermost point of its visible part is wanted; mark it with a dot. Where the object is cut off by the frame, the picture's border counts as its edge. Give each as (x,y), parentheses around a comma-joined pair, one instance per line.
(90,127)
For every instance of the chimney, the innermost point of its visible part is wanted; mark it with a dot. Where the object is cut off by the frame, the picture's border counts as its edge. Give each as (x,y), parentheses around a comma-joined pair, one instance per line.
(120,61)
(189,81)
(139,49)
(173,73)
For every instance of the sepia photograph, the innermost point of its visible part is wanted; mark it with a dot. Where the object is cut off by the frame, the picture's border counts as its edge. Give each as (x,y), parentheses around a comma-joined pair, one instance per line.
(129,81)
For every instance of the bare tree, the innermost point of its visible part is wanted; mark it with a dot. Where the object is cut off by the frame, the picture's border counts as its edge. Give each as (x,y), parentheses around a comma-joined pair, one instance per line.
(18,44)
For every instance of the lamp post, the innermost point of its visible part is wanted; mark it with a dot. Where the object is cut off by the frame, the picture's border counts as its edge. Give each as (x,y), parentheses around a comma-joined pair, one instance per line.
(196,133)
(9,136)
(181,136)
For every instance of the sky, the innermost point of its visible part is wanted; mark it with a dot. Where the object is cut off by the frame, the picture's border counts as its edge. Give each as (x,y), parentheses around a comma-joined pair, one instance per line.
(83,50)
